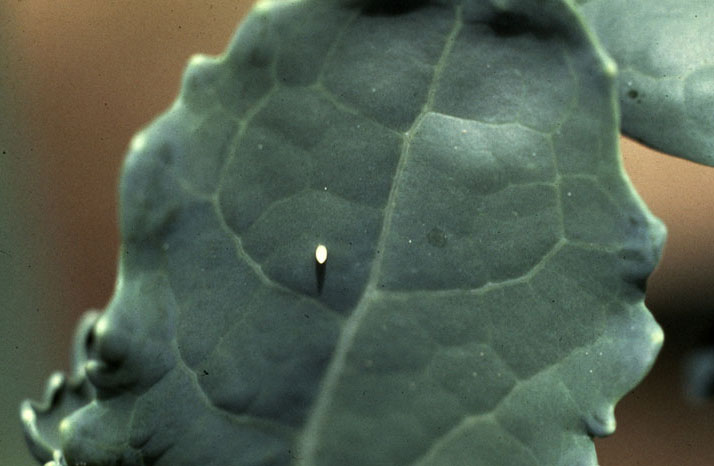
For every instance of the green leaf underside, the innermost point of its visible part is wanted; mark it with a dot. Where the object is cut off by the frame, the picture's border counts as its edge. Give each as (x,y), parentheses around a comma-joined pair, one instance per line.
(666,83)
(481,302)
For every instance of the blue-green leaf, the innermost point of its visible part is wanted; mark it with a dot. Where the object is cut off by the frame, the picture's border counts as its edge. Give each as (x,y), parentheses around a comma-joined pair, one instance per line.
(481,301)
(664,51)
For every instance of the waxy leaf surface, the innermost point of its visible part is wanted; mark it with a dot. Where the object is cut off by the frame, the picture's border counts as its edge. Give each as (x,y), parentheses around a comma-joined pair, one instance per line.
(481,301)
(664,52)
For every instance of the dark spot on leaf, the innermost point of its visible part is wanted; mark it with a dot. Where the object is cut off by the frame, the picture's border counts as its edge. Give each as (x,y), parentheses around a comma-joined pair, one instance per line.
(436,237)
(391,7)
(508,24)
(165,155)
(89,341)
(632,94)
(205,372)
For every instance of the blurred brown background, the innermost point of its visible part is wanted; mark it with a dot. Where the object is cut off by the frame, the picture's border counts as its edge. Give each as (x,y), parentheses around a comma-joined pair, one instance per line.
(81,77)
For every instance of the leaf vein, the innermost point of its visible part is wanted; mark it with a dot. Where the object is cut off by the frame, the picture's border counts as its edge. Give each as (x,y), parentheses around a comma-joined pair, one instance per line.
(308,442)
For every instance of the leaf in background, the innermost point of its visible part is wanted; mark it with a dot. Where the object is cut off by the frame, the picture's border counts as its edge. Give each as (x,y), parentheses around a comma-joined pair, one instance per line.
(664,52)
(699,374)
(482,299)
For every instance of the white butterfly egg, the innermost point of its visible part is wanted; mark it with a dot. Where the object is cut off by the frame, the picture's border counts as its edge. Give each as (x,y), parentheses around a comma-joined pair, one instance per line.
(321,254)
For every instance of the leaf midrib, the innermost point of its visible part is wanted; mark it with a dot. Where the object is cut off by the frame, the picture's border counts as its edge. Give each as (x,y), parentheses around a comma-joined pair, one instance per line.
(308,441)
